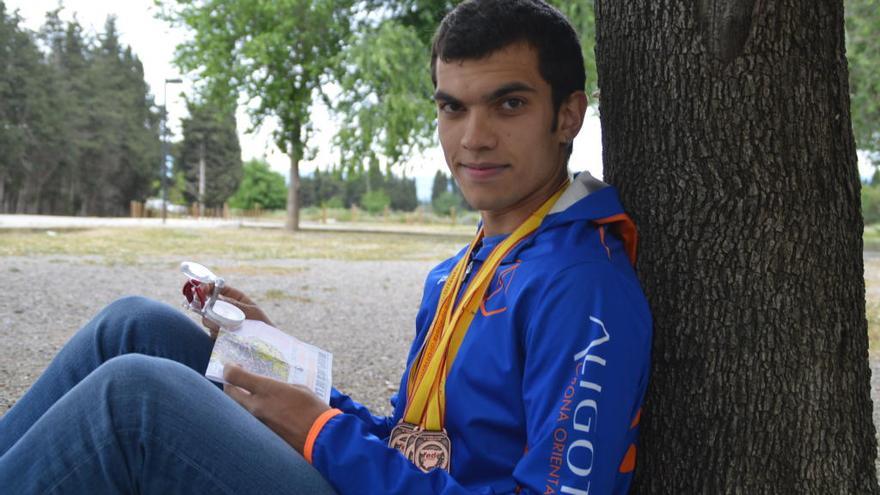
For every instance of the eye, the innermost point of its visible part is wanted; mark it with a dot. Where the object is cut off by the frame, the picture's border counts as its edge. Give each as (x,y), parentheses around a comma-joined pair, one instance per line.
(513,103)
(450,107)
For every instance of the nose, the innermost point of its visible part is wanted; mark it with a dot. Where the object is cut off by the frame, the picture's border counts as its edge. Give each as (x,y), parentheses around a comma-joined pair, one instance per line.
(478,133)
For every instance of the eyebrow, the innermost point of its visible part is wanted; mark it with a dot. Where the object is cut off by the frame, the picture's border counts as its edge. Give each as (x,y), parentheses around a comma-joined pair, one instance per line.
(514,87)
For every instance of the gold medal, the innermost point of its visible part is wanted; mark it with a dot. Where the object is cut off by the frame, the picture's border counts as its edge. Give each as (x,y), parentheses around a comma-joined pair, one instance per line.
(433,450)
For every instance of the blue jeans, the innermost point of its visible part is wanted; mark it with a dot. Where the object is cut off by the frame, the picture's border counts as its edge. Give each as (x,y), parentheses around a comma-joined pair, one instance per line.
(124,408)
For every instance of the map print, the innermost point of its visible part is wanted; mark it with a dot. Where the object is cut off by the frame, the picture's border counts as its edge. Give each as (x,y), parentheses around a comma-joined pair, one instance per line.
(251,353)
(267,351)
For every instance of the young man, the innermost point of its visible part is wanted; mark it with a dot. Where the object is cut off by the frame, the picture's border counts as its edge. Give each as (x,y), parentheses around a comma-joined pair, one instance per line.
(529,364)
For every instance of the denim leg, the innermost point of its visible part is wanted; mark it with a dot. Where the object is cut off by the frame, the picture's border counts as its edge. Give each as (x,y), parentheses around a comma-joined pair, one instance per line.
(147,425)
(128,325)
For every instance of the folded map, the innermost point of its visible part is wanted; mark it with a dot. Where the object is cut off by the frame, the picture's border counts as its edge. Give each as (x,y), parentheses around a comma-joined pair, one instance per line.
(267,351)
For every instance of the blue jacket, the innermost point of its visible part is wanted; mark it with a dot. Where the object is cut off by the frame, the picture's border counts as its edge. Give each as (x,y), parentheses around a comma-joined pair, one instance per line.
(546,391)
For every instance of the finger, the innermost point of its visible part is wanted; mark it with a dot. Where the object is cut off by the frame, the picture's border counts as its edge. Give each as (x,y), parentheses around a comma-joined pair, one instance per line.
(235,302)
(240,395)
(231,292)
(238,376)
(212,327)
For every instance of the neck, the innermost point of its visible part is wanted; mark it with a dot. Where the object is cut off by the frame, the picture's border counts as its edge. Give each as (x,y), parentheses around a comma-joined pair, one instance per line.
(507,220)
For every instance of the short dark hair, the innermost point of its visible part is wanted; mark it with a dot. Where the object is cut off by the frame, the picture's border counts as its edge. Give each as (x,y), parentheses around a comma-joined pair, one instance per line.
(479,28)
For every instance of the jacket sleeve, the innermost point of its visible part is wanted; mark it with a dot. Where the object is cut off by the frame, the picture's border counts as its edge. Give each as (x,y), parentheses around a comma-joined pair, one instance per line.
(354,461)
(586,368)
(583,382)
(379,426)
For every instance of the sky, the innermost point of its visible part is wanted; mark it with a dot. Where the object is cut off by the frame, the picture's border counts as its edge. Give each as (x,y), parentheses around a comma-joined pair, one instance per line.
(153,41)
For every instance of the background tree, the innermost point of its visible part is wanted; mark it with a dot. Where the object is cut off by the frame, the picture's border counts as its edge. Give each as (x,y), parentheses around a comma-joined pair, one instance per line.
(273,53)
(863,51)
(726,127)
(385,103)
(261,187)
(210,134)
(402,193)
(439,186)
(77,127)
(445,195)
(21,105)
(323,188)
(456,191)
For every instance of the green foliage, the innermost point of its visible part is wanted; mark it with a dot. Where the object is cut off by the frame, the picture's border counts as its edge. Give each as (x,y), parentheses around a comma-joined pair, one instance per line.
(210,133)
(320,187)
(355,188)
(863,52)
(77,127)
(341,189)
(439,186)
(402,192)
(260,188)
(871,204)
(334,202)
(375,201)
(384,74)
(445,202)
(385,102)
(583,18)
(274,53)
(445,195)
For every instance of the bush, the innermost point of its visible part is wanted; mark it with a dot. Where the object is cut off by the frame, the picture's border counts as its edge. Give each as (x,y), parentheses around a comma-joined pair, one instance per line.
(445,201)
(336,202)
(871,204)
(375,201)
(260,187)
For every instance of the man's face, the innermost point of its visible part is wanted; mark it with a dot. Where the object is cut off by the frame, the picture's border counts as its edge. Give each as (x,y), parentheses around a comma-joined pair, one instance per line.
(494,119)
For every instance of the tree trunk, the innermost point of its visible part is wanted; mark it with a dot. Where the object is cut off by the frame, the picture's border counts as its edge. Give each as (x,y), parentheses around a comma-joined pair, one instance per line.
(293,190)
(726,127)
(201,179)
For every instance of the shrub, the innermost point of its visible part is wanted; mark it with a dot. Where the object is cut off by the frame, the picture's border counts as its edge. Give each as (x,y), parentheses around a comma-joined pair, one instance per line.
(871,204)
(375,201)
(261,187)
(444,202)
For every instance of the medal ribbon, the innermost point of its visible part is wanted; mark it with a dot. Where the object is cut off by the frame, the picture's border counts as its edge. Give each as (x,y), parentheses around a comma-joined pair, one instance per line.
(426,387)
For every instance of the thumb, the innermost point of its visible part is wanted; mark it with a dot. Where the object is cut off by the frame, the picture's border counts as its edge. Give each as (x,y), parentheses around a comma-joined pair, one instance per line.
(238,376)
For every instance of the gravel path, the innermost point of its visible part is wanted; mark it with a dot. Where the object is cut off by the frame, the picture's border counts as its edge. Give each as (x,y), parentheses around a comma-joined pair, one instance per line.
(361,311)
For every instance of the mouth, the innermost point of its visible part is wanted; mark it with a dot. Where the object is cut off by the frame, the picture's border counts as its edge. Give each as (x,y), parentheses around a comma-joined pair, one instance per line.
(482,171)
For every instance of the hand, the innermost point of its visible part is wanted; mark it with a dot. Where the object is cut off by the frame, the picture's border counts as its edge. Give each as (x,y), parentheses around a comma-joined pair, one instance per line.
(239,299)
(288,410)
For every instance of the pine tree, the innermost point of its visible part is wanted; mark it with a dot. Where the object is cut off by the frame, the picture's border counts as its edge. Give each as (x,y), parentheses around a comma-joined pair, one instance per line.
(209,134)
(439,186)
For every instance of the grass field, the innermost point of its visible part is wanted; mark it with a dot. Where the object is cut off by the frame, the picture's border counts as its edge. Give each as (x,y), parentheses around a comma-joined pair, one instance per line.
(131,245)
(134,246)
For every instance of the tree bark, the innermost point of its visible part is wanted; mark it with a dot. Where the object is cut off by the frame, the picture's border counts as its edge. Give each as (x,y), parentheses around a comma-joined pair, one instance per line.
(295,153)
(726,128)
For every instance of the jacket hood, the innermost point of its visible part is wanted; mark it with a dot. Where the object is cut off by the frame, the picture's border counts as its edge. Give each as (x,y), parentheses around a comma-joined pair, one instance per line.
(588,199)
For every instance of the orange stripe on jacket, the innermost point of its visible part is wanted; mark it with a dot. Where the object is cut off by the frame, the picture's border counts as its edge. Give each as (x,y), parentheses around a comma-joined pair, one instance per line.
(636,420)
(622,226)
(629,460)
(315,430)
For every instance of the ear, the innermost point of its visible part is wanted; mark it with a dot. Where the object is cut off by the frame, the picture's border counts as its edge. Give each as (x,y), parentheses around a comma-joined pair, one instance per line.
(571,116)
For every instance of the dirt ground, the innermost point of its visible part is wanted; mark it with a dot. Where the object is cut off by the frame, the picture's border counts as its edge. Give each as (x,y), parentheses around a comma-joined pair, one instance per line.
(362,311)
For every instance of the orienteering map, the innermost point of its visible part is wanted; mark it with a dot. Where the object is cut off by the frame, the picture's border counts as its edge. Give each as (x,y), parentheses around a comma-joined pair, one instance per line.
(267,351)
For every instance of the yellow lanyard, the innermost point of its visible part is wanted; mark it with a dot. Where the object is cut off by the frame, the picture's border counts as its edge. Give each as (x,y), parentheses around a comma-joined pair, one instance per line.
(426,387)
